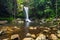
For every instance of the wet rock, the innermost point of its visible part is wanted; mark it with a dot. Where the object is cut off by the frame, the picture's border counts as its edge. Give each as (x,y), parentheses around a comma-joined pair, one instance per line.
(53,37)
(3,22)
(15,37)
(6,39)
(16,27)
(58,35)
(2,32)
(41,37)
(7,29)
(33,35)
(55,29)
(28,34)
(20,21)
(46,30)
(35,28)
(31,28)
(28,38)
(58,31)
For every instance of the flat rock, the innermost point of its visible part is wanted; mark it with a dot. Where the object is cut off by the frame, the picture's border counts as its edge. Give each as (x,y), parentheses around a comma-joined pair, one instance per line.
(28,39)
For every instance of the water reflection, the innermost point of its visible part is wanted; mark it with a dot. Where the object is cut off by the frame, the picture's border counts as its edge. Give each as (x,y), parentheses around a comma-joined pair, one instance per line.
(27,24)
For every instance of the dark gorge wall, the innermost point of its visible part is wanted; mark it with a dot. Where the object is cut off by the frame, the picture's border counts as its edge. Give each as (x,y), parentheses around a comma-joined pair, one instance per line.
(4,9)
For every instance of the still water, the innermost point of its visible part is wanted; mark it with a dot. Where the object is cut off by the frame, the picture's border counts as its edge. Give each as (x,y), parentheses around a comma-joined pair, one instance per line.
(24,29)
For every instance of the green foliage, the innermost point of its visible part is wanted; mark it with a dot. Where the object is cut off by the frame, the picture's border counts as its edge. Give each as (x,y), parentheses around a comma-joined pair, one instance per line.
(20,6)
(8,19)
(37,8)
(10,6)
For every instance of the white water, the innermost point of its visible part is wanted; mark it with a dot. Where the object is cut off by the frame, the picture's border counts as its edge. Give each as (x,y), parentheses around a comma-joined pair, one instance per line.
(26,12)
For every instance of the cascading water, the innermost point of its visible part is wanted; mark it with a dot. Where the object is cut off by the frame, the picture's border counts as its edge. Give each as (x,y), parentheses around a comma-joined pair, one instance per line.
(27,21)
(26,13)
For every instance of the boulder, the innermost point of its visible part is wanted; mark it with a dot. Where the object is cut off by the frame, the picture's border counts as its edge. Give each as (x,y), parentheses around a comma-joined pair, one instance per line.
(53,37)
(15,37)
(41,37)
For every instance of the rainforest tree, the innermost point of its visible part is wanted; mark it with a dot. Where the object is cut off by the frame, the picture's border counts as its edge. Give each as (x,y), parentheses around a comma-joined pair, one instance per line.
(37,8)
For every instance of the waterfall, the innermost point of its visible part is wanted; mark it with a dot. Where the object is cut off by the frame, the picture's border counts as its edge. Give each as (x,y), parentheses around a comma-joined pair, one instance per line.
(26,13)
